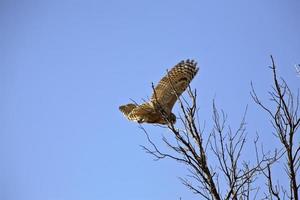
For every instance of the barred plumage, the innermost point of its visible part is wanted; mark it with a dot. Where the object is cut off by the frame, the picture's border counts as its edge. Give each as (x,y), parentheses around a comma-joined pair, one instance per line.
(165,94)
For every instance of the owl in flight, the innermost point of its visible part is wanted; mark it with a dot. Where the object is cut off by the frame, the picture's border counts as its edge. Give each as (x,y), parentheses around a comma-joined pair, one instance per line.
(159,109)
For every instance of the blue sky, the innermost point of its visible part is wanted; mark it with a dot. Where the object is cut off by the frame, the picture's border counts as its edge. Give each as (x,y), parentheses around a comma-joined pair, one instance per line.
(66,66)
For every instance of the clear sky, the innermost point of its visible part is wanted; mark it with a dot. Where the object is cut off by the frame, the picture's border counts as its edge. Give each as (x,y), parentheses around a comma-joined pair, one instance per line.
(66,66)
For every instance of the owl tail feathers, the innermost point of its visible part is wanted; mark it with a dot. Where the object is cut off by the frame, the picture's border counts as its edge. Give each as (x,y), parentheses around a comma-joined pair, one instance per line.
(126,109)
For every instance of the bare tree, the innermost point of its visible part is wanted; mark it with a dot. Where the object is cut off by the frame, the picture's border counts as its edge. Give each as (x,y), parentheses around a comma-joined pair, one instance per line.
(215,161)
(189,146)
(285,119)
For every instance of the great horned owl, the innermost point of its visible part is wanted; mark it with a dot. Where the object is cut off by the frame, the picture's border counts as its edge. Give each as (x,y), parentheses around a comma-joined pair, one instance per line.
(170,87)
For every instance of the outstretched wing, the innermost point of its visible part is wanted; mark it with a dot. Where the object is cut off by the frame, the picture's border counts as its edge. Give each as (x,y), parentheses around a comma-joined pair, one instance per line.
(139,113)
(174,84)
(126,109)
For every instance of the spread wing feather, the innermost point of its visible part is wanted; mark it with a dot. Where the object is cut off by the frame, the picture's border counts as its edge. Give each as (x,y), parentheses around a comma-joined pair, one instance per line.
(176,81)
(126,109)
(136,112)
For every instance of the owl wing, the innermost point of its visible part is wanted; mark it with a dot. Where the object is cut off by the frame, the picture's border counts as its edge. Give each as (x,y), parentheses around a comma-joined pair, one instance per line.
(171,86)
(136,112)
(126,109)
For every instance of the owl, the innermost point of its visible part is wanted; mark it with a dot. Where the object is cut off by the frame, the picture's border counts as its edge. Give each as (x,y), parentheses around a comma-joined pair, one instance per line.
(158,110)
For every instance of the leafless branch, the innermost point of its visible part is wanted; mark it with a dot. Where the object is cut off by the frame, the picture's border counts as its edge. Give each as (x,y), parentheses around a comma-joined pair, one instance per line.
(191,149)
(285,120)
(196,148)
